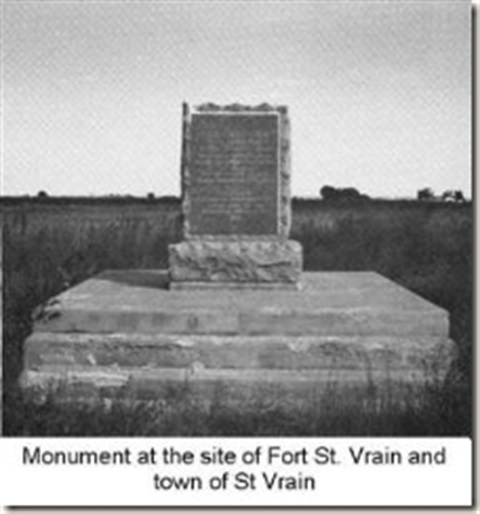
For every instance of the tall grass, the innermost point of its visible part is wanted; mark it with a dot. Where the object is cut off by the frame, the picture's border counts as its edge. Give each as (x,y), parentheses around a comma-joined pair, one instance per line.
(426,247)
(49,246)
(183,413)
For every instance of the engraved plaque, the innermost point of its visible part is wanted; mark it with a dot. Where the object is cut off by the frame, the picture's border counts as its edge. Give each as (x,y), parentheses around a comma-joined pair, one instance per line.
(234,174)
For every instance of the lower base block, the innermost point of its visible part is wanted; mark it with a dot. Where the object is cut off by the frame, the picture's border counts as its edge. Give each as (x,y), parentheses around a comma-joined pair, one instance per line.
(86,366)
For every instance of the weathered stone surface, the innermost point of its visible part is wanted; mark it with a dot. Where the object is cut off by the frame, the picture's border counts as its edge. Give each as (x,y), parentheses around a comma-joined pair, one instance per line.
(328,304)
(49,350)
(90,366)
(236,261)
(280,368)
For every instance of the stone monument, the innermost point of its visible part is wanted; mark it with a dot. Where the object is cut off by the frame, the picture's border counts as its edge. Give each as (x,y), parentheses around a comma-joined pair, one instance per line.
(212,318)
(235,200)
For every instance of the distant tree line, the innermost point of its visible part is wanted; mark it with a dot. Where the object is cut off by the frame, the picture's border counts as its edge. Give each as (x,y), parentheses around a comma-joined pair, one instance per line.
(331,193)
(343,194)
(427,194)
(45,198)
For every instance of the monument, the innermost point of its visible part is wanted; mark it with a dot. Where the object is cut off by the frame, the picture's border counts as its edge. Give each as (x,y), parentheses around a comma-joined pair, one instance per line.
(235,308)
(236,200)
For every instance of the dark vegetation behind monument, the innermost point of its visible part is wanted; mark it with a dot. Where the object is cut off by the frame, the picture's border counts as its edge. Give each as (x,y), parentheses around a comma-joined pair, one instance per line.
(49,246)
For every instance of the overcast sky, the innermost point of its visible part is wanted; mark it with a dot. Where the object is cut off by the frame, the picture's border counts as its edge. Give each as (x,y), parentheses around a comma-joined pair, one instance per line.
(379,94)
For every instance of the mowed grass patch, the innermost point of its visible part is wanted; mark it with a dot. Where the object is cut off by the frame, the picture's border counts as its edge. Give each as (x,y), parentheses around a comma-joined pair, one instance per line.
(50,246)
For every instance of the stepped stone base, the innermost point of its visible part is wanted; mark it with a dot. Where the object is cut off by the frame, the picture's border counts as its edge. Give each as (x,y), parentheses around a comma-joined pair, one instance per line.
(233,386)
(124,334)
(239,261)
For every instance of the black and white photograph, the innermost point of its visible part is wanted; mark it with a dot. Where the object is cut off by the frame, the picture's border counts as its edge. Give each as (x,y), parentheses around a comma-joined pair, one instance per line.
(245,219)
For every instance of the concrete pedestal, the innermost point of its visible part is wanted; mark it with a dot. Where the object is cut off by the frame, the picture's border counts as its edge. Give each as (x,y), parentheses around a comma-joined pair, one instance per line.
(124,332)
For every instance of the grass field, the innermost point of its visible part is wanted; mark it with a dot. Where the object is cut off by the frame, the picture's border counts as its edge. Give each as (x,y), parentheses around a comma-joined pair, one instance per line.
(52,244)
